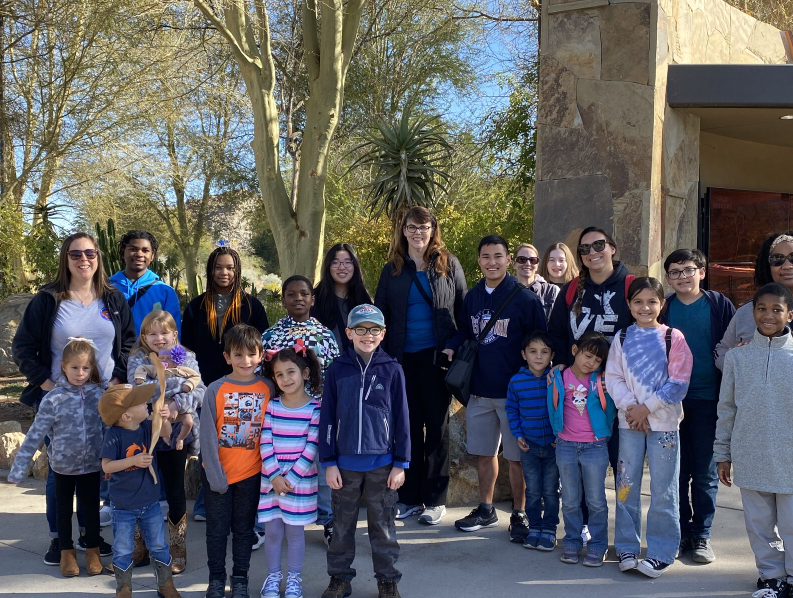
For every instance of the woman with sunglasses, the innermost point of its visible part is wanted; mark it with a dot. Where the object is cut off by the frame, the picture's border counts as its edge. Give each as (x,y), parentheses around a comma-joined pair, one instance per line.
(774,264)
(80,302)
(420,293)
(526,265)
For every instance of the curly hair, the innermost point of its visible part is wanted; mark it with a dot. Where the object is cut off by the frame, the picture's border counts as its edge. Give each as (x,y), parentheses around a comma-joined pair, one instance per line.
(762,269)
(309,362)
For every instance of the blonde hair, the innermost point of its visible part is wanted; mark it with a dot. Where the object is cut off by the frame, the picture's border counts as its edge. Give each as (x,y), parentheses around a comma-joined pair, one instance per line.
(572,267)
(158,316)
(79,348)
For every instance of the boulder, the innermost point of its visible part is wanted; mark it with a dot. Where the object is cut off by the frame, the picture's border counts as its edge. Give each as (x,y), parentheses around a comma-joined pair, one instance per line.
(192,478)
(40,465)
(10,442)
(10,426)
(11,310)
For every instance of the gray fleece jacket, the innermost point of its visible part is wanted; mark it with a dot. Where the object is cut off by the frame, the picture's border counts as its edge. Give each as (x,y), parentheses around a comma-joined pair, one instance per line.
(741,329)
(69,415)
(755,409)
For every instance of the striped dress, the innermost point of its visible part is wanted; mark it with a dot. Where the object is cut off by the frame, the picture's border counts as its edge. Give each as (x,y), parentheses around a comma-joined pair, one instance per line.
(288,447)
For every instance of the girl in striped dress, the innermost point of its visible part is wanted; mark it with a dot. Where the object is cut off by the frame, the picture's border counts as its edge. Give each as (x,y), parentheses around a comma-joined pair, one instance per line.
(288,496)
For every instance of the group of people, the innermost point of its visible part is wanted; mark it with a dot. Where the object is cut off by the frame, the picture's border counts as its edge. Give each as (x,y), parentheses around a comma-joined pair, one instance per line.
(344,401)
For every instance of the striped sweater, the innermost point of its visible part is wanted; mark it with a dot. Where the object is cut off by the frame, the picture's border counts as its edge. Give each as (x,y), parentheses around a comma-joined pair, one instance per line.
(288,447)
(527,407)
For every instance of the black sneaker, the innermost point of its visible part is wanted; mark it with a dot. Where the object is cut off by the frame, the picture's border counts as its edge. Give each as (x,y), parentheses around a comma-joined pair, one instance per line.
(518,527)
(628,561)
(477,519)
(686,545)
(216,588)
(53,556)
(105,549)
(702,551)
(772,588)
(653,567)
(328,533)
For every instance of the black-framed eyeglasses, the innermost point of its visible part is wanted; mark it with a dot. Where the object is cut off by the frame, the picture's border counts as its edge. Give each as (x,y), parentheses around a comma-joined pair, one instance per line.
(684,273)
(777,259)
(363,330)
(76,254)
(598,245)
(339,263)
(522,259)
(412,228)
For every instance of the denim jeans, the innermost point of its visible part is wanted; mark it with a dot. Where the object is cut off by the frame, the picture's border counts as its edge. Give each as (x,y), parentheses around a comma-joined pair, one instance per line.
(663,523)
(542,487)
(152,527)
(582,470)
(324,509)
(697,468)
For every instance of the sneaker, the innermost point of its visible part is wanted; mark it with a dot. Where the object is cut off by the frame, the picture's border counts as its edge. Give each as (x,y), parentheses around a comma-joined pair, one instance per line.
(294,586)
(239,586)
(585,535)
(653,567)
(628,561)
(387,589)
(594,560)
(518,527)
(432,515)
(216,587)
(105,517)
(547,542)
(53,556)
(569,556)
(328,533)
(271,588)
(686,545)
(337,588)
(258,539)
(199,517)
(105,549)
(477,519)
(772,588)
(532,540)
(404,511)
(703,551)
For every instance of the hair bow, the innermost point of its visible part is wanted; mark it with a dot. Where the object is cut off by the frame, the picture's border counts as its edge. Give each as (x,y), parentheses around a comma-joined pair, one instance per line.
(270,353)
(81,339)
(300,347)
(178,354)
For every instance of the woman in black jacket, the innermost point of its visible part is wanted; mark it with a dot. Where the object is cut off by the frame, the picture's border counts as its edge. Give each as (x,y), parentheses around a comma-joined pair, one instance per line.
(80,302)
(420,293)
(340,289)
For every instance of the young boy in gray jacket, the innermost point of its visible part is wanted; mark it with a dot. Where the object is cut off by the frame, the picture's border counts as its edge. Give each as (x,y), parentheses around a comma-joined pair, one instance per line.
(754,435)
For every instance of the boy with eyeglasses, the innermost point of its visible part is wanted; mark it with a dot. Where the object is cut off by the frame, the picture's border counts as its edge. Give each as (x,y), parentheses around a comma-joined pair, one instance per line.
(364,444)
(702,316)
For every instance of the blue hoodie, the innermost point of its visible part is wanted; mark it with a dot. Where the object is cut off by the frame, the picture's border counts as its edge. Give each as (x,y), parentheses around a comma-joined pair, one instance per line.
(498,357)
(157,295)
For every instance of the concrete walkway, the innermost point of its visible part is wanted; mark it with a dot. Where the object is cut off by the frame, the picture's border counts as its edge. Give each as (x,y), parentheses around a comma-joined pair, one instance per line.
(437,562)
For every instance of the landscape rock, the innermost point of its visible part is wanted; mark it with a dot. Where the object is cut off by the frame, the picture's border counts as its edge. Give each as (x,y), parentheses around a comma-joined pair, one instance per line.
(10,442)
(10,426)
(11,310)
(40,465)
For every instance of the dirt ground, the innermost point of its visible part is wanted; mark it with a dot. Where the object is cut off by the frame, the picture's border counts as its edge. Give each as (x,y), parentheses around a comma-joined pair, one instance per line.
(10,407)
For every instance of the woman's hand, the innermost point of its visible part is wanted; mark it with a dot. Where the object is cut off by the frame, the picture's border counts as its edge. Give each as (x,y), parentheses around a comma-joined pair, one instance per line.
(47,385)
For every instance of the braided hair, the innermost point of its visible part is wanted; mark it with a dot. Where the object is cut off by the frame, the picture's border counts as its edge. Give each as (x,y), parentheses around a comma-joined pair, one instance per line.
(583,273)
(233,312)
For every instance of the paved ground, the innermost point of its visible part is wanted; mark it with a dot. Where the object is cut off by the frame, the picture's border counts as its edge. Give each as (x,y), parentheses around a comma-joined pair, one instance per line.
(436,562)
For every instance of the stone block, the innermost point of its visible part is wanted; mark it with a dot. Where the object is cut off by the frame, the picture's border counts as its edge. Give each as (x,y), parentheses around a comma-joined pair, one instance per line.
(40,465)
(718,49)
(10,443)
(565,204)
(619,118)
(630,225)
(699,37)
(566,153)
(10,426)
(557,105)
(12,308)
(717,17)
(192,477)
(574,41)
(741,28)
(680,150)
(625,42)
(767,43)
(683,47)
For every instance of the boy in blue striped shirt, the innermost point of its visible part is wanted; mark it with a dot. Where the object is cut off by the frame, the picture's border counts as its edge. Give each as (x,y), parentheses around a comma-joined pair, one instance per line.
(527,411)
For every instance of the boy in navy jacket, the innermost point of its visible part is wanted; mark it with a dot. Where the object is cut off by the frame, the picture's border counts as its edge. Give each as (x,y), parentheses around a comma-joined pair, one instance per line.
(364,442)
(497,360)
(702,316)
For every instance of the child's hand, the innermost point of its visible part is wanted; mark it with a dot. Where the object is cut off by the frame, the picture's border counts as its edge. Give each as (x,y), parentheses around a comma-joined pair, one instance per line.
(139,381)
(165,412)
(186,387)
(723,469)
(523,445)
(333,477)
(636,415)
(179,444)
(142,460)
(281,486)
(556,368)
(106,477)
(396,478)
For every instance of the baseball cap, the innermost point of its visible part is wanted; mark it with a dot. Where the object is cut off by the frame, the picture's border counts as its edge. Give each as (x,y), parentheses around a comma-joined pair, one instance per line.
(117,399)
(365,313)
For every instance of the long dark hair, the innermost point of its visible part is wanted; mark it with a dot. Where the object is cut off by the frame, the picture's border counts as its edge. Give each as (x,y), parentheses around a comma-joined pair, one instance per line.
(583,272)
(233,313)
(762,269)
(398,254)
(646,283)
(325,307)
(64,276)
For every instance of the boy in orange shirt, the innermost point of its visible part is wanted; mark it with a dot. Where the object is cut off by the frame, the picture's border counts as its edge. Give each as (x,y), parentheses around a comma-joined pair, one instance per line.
(231,425)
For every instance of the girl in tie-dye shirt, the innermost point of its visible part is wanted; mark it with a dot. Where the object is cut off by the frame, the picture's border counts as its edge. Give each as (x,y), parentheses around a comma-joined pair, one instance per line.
(648,384)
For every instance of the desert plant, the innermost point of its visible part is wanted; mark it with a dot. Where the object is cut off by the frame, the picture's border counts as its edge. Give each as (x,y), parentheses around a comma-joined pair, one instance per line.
(108,245)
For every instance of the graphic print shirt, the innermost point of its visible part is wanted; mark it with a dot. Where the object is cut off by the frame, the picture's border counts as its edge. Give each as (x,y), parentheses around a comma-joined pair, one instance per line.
(132,488)
(577,426)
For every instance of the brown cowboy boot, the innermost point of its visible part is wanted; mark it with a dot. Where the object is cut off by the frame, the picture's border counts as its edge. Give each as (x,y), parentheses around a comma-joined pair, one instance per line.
(123,582)
(140,554)
(178,544)
(93,564)
(165,587)
(69,566)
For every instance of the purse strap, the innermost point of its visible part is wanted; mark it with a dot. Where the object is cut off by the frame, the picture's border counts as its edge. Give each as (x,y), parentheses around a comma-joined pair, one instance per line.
(419,286)
(494,318)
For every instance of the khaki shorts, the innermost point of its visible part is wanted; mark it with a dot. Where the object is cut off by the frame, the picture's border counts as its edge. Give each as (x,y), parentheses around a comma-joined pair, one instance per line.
(487,427)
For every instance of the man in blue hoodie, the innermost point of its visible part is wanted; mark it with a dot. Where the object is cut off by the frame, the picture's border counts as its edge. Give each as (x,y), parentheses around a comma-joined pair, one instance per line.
(497,360)
(142,288)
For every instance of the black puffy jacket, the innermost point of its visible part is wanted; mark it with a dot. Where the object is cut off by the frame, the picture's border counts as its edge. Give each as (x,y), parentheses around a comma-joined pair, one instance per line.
(391,298)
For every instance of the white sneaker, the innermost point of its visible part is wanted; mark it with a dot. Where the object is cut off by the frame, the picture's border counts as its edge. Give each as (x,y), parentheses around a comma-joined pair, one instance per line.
(585,535)
(432,515)
(105,517)
(404,511)
(259,537)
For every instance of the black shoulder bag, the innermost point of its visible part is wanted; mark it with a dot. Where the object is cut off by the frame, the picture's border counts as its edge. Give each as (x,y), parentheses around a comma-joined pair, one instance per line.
(458,378)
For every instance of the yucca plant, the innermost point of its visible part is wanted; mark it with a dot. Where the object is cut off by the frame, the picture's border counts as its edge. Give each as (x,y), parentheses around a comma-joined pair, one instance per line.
(405,160)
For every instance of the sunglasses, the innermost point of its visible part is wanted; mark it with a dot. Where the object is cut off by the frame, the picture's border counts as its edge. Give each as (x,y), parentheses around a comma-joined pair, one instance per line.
(522,259)
(76,254)
(598,245)
(777,259)
(373,330)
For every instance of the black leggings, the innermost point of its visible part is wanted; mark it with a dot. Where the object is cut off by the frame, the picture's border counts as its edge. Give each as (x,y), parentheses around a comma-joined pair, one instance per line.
(87,486)
(172,464)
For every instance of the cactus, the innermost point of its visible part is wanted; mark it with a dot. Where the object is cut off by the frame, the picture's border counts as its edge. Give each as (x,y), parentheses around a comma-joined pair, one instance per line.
(108,245)
(199,285)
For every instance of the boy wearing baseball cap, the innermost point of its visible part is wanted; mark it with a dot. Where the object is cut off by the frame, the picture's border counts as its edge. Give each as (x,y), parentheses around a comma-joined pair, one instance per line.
(133,494)
(364,443)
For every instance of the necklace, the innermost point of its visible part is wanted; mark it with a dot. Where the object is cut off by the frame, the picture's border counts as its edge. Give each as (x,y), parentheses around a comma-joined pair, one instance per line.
(83,301)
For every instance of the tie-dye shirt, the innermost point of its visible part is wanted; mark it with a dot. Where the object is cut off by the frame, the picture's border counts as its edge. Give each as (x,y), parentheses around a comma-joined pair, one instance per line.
(640,375)
(577,427)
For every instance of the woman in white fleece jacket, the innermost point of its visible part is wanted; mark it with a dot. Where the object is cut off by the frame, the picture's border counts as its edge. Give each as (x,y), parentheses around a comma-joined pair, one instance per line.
(647,375)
